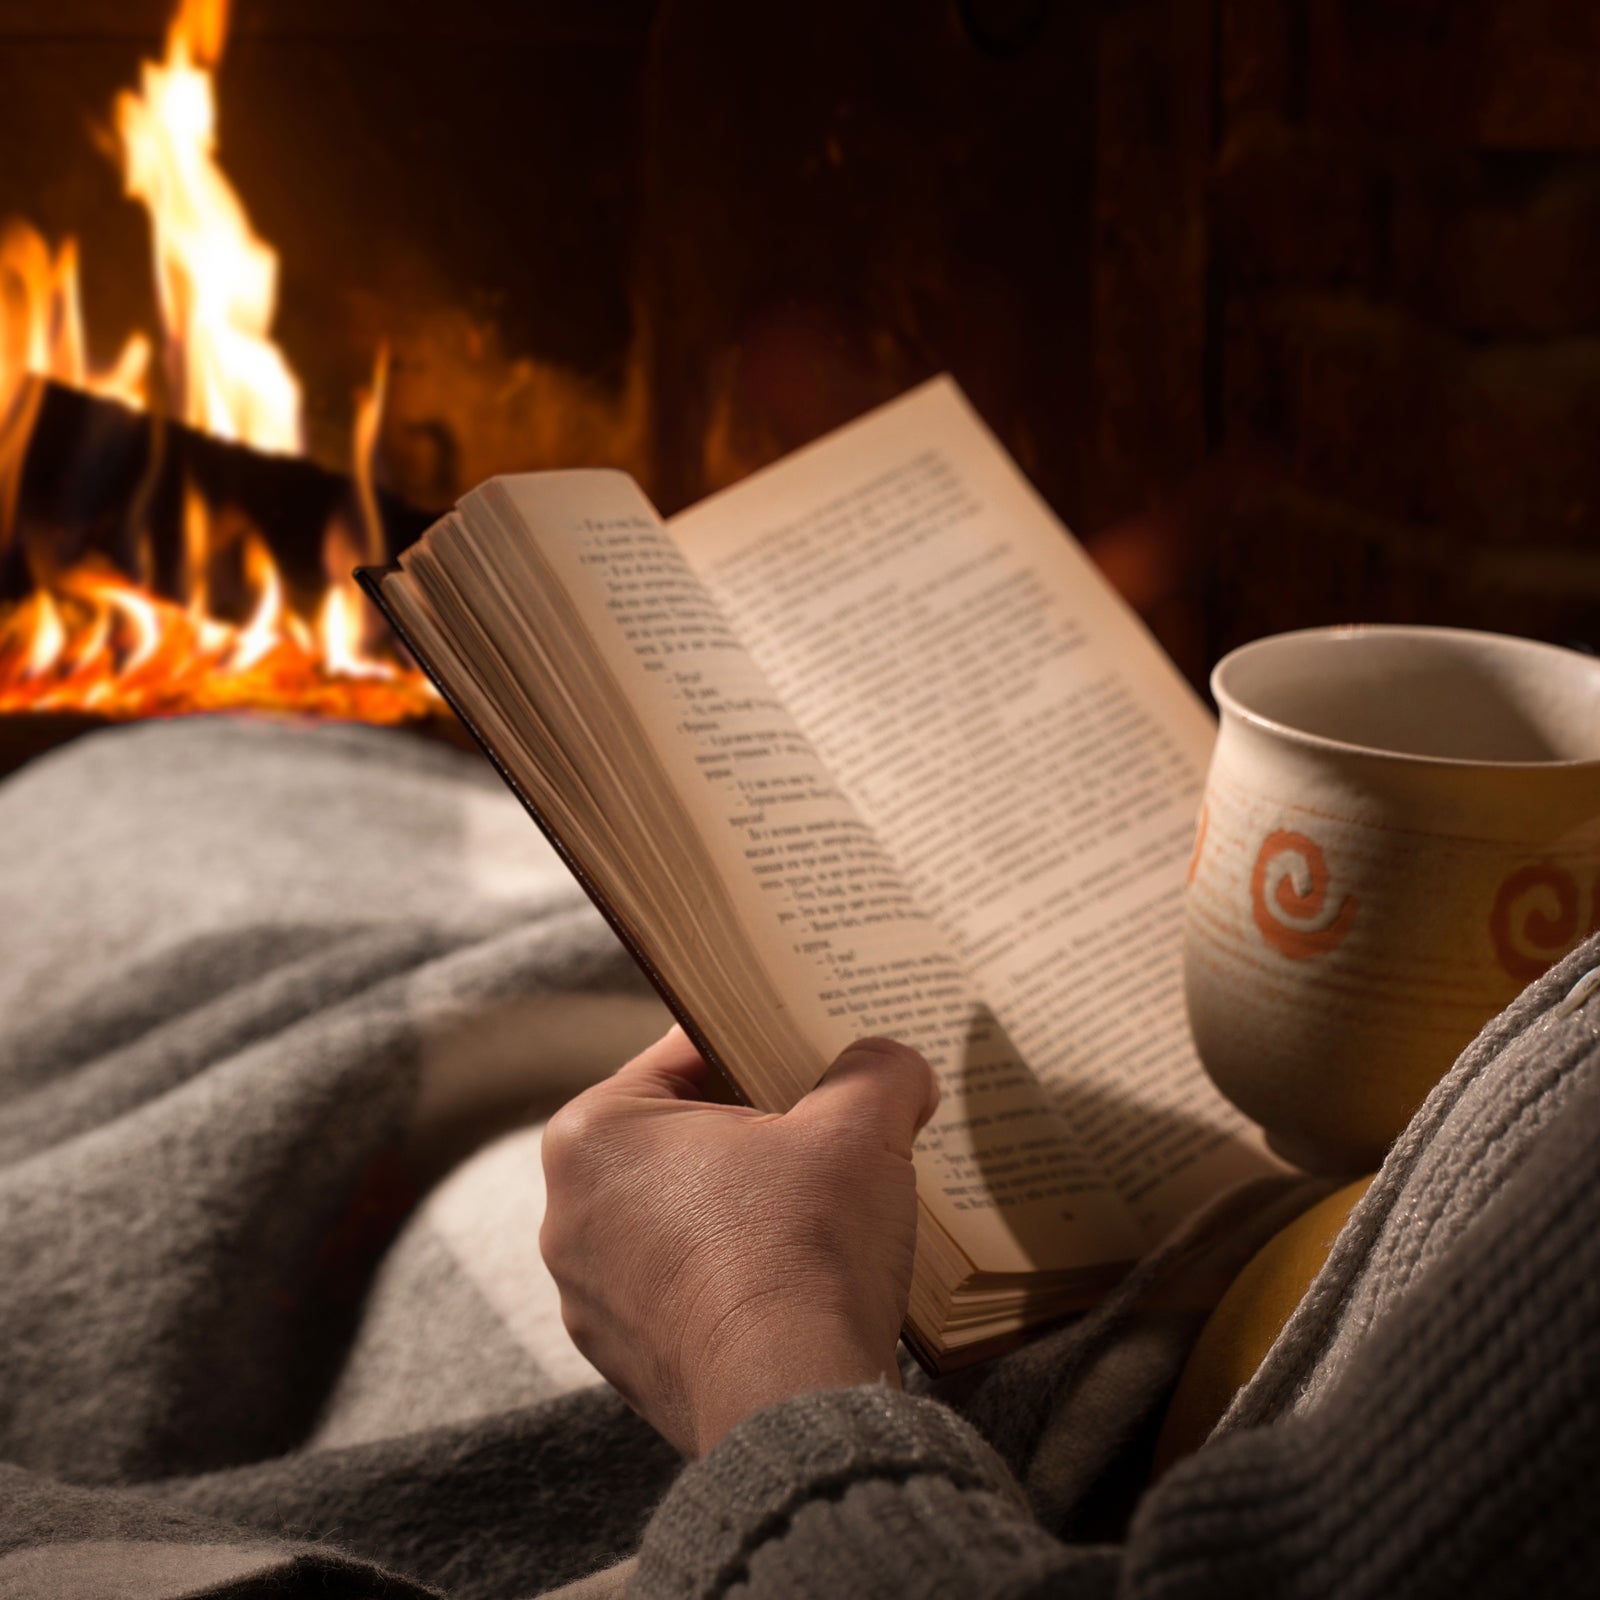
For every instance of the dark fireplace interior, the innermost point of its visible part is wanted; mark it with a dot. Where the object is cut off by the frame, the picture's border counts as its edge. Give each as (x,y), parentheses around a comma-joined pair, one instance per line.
(1290,308)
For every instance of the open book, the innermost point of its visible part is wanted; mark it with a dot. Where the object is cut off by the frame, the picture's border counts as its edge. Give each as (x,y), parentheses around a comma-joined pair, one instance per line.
(865,745)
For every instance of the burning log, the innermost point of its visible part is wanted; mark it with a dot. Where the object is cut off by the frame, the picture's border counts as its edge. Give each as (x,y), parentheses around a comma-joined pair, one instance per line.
(136,581)
(149,568)
(101,480)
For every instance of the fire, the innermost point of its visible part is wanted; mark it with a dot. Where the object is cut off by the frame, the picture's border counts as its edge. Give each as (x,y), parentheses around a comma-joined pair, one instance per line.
(41,322)
(99,643)
(216,282)
(340,620)
(91,638)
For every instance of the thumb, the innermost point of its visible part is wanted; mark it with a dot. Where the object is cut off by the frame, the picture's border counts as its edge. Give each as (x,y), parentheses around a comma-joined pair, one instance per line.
(875,1083)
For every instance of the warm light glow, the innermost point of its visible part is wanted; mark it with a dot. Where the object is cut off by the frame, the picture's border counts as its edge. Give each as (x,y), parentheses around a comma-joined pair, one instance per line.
(202,25)
(142,614)
(216,282)
(262,631)
(369,419)
(49,639)
(344,609)
(91,638)
(339,634)
(100,643)
(41,323)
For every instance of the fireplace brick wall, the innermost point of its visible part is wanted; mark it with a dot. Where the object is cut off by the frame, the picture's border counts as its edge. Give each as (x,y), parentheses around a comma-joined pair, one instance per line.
(1403,384)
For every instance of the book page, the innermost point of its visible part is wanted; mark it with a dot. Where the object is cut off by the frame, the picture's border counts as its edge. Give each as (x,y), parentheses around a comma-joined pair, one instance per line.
(1022,748)
(825,907)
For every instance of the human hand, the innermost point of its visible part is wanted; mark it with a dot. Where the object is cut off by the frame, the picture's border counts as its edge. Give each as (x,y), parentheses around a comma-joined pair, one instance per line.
(716,1259)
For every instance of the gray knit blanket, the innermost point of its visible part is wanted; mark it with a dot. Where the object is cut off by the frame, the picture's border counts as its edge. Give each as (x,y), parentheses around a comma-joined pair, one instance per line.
(261,988)
(280,1011)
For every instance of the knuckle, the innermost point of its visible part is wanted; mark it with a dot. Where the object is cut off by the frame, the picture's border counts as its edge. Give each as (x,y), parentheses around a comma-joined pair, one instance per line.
(552,1244)
(570,1134)
(579,1325)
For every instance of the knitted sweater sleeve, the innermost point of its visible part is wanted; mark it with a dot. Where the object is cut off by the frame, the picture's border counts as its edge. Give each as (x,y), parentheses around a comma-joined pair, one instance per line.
(1457,1454)
(856,1492)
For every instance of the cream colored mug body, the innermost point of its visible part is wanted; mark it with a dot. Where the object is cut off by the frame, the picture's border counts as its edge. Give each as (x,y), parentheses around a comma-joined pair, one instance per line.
(1401,828)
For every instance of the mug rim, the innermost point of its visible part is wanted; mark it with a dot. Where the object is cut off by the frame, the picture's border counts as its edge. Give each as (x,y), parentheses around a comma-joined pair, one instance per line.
(1227,702)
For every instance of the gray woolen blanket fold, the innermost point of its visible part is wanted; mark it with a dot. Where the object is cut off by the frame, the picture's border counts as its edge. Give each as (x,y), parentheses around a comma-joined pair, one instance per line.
(277,1005)
(258,984)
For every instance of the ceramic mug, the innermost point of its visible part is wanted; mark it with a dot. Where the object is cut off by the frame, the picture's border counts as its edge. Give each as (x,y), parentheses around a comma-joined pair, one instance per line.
(1401,828)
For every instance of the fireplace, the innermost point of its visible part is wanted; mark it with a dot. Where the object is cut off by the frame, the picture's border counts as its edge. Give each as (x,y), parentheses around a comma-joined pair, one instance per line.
(1289,307)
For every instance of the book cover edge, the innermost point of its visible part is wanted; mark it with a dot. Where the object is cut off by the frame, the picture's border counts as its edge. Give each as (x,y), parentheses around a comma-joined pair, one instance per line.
(371,581)
(923,1344)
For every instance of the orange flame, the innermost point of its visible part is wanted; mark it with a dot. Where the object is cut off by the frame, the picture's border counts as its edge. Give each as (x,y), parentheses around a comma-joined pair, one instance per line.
(340,627)
(91,638)
(41,322)
(217,283)
(98,642)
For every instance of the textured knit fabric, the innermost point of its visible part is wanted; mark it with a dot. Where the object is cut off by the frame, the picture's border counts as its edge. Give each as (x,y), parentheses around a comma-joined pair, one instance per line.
(259,985)
(278,1009)
(1428,1423)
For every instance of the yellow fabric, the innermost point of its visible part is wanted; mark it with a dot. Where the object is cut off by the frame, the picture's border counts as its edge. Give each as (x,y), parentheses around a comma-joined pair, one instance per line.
(1247,1319)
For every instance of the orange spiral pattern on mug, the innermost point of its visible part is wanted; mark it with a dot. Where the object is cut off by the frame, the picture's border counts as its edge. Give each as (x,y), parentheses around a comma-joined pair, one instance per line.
(1529,936)
(1199,845)
(1287,900)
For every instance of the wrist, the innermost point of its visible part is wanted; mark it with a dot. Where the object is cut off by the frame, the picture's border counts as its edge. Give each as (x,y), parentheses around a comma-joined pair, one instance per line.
(758,1371)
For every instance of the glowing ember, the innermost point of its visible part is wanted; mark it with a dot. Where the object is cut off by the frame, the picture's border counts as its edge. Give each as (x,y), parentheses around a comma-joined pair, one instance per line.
(92,639)
(99,643)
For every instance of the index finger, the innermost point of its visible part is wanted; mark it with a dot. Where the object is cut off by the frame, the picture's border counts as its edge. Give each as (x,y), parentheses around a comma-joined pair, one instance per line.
(670,1069)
